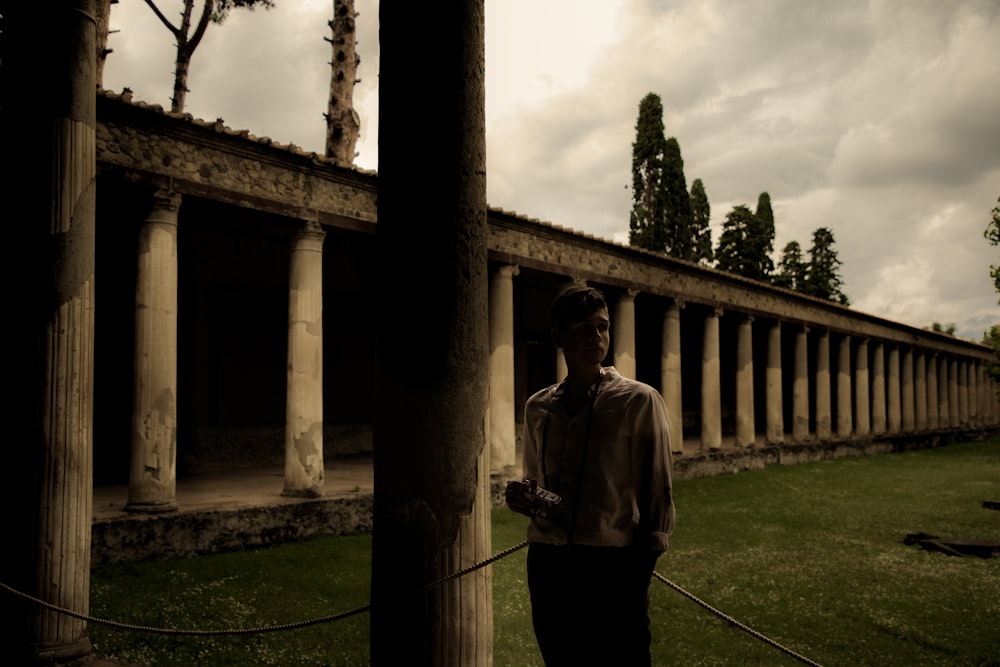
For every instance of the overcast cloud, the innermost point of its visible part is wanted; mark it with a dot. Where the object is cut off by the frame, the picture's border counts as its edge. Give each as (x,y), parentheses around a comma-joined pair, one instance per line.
(876,119)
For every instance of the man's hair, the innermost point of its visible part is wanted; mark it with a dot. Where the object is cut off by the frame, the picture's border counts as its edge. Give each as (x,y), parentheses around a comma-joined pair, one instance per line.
(575,303)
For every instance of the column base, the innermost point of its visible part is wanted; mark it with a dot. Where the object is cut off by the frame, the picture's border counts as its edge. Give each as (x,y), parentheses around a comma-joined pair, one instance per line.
(150,508)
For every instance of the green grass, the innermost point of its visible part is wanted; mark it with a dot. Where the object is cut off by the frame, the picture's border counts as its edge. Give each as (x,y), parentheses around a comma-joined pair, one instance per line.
(810,556)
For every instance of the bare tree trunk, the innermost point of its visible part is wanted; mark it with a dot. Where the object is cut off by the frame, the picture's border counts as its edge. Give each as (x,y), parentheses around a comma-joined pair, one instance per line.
(103,16)
(183,60)
(430,517)
(342,122)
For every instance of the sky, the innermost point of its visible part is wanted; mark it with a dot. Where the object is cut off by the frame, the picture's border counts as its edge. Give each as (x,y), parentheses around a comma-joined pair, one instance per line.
(877,119)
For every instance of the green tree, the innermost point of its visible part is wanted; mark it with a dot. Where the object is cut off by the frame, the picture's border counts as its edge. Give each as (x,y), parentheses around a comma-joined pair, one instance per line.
(762,240)
(701,214)
(680,237)
(730,254)
(992,235)
(823,277)
(212,11)
(950,328)
(647,222)
(791,269)
(992,336)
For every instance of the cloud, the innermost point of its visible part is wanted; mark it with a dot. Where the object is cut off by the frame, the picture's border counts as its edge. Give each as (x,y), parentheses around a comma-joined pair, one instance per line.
(874,118)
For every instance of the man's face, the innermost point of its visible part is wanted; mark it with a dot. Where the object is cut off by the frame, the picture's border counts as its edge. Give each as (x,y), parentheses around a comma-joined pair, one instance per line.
(586,341)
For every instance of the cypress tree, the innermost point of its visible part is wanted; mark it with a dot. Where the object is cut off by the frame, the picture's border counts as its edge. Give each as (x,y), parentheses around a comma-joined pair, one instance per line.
(701,232)
(647,223)
(737,230)
(823,277)
(791,269)
(762,242)
(680,237)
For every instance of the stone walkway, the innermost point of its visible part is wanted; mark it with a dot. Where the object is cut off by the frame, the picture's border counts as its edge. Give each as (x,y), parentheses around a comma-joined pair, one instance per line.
(242,488)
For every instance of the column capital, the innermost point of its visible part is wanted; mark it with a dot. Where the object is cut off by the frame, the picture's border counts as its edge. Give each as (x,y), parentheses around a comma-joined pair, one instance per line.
(507,271)
(165,199)
(310,230)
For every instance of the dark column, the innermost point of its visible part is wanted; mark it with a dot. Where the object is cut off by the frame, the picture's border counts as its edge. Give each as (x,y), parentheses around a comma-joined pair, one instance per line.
(431,511)
(49,59)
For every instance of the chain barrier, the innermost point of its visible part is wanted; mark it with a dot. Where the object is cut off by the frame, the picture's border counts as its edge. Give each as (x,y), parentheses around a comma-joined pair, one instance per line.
(358,610)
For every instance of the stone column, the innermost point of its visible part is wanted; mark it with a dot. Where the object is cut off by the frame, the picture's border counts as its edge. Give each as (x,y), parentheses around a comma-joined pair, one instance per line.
(670,379)
(862,421)
(153,474)
(711,397)
(503,455)
(944,409)
(933,396)
(430,458)
(800,387)
(773,408)
(304,467)
(975,414)
(845,422)
(909,398)
(878,389)
(623,339)
(920,390)
(823,405)
(895,412)
(953,402)
(49,216)
(963,392)
(745,432)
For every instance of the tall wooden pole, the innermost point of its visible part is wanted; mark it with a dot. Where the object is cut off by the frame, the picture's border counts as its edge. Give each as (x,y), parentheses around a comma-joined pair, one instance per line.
(431,509)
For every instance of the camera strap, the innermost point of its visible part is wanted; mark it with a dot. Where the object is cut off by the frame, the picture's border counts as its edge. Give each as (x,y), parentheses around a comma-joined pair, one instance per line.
(583,454)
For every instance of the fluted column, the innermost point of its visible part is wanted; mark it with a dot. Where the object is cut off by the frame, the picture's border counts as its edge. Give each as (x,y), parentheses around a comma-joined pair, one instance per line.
(906,391)
(953,402)
(153,471)
(800,387)
(623,338)
(823,425)
(845,421)
(862,419)
(933,397)
(975,409)
(304,468)
(920,390)
(892,385)
(430,418)
(944,409)
(963,392)
(670,370)
(503,439)
(49,193)
(745,436)
(878,389)
(773,408)
(711,397)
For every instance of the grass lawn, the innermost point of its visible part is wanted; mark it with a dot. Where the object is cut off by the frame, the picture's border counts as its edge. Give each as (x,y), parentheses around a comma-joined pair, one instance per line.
(810,556)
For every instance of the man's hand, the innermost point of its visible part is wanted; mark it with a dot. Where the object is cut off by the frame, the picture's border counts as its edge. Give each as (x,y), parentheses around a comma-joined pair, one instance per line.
(520,497)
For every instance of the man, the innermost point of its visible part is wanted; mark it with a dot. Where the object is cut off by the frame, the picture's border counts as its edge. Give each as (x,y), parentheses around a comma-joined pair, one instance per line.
(598,441)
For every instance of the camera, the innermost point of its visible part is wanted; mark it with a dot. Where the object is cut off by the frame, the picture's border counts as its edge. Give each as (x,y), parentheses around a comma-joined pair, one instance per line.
(528,498)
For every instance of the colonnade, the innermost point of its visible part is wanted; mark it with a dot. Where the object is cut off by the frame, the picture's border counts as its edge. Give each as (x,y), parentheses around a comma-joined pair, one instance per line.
(152,484)
(881,387)
(896,388)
